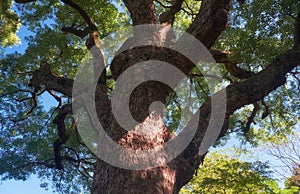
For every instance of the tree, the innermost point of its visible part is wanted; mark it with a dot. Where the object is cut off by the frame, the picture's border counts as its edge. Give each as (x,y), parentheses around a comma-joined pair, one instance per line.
(288,154)
(223,174)
(256,43)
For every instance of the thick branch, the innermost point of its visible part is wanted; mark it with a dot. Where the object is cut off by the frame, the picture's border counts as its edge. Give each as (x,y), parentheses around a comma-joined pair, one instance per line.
(169,16)
(59,120)
(44,76)
(230,65)
(141,12)
(249,91)
(211,21)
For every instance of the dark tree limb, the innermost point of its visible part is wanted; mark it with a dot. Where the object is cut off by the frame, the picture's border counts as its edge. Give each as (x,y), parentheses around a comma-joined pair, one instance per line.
(24,1)
(169,16)
(59,120)
(44,76)
(239,94)
(266,112)
(77,32)
(161,4)
(230,65)
(211,21)
(250,120)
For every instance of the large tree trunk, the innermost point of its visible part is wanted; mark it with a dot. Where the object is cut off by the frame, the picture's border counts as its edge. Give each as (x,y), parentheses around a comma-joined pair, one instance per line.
(172,175)
(111,179)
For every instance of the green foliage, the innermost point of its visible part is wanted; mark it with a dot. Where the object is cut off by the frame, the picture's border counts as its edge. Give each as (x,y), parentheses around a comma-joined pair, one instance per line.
(257,34)
(224,174)
(27,137)
(9,24)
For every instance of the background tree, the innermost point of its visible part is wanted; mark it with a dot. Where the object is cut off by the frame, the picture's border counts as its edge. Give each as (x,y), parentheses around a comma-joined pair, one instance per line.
(287,153)
(224,174)
(257,43)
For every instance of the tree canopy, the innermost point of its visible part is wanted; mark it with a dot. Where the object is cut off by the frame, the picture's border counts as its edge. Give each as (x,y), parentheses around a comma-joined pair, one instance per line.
(225,174)
(257,44)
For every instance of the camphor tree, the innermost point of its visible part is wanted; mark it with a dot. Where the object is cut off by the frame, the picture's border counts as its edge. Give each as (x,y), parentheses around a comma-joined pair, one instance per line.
(257,43)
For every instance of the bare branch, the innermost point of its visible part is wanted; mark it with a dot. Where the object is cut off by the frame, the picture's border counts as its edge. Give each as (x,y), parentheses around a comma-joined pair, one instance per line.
(45,163)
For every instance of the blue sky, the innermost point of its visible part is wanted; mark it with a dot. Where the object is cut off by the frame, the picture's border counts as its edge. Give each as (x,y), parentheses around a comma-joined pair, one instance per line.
(32,185)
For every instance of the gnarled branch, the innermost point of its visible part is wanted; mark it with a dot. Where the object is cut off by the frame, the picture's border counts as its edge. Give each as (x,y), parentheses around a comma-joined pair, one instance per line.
(44,76)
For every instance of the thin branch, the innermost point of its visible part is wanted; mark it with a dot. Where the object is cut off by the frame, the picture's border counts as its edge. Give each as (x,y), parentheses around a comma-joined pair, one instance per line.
(169,16)
(246,129)
(266,112)
(206,76)
(45,163)
(161,4)
(77,32)
(83,14)
(231,66)
(190,9)
(24,1)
